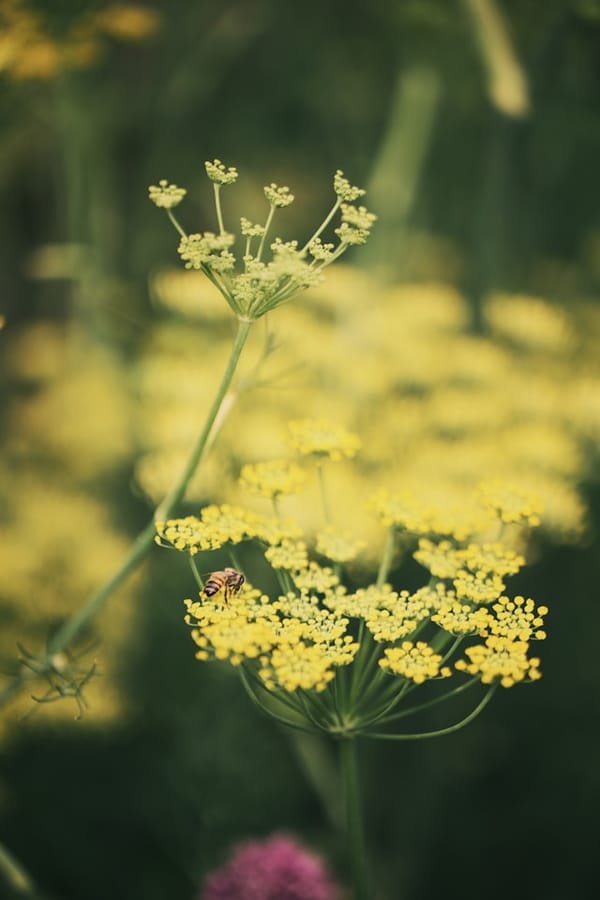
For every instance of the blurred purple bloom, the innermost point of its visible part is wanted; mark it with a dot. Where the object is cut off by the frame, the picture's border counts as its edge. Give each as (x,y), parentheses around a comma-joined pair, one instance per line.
(278,868)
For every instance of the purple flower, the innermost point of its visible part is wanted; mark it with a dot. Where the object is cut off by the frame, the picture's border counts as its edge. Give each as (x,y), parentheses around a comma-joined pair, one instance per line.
(277,868)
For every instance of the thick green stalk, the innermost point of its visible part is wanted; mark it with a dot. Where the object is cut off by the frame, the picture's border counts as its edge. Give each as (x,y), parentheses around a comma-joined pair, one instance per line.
(355,830)
(72,626)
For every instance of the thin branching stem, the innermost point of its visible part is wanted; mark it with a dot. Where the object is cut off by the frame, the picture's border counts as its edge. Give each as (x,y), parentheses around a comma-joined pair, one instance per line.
(69,630)
(261,246)
(300,726)
(217,188)
(175,222)
(324,494)
(387,557)
(403,713)
(386,736)
(323,225)
(197,576)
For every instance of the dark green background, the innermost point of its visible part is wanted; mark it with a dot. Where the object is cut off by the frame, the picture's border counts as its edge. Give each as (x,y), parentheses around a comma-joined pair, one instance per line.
(290,92)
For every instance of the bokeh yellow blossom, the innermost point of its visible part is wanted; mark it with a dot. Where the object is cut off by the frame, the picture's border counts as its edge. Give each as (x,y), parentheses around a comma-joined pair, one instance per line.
(272,479)
(322,439)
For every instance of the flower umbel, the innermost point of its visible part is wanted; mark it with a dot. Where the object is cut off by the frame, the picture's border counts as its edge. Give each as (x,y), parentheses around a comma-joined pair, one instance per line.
(318,656)
(251,285)
(322,439)
(165,195)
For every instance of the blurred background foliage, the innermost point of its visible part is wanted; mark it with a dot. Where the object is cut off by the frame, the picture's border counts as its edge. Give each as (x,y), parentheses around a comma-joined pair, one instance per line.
(461,342)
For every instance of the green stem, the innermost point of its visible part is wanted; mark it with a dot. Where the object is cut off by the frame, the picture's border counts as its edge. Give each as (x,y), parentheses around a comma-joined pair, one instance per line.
(179,489)
(320,770)
(217,188)
(384,716)
(264,236)
(197,576)
(175,223)
(324,495)
(387,557)
(354,819)
(442,731)
(323,225)
(72,626)
(289,723)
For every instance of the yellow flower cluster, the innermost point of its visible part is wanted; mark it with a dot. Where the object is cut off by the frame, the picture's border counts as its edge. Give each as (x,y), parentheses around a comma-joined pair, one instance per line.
(438,414)
(274,478)
(288,554)
(507,625)
(338,546)
(461,618)
(500,658)
(253,286)
(517,619)
(511,503)
(296,640)
(445,560)
(418,662)
(323,439)
(297,643)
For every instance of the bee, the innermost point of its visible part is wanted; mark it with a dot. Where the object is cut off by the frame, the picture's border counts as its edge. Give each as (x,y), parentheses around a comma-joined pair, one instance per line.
(228,580)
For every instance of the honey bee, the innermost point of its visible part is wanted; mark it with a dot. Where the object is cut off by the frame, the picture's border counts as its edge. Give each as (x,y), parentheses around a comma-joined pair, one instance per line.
(228,580)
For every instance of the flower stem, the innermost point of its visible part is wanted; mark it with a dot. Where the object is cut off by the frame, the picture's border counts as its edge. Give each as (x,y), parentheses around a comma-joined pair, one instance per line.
(387,557)
(324,495)
(323,225)
(217,188)
(442,731)
(72,626)
(264,235)
(354,819)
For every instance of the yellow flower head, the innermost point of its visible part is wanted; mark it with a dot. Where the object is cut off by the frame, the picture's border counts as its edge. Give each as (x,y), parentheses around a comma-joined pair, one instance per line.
(461,618)
(399,622)
(402,511)
(165,195)
(337,545)
(445,560)
(530,322)
(510,503)
(417,662)
(189,534)
(297,665)
(442,559)
(323,439)
(289,554)
(274,478)
(314,577)
(234,638)
(219,173)
(517,619)
(363,602)
(434,595)
(479,587)
(231,523)
(500,659)
(489,559)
